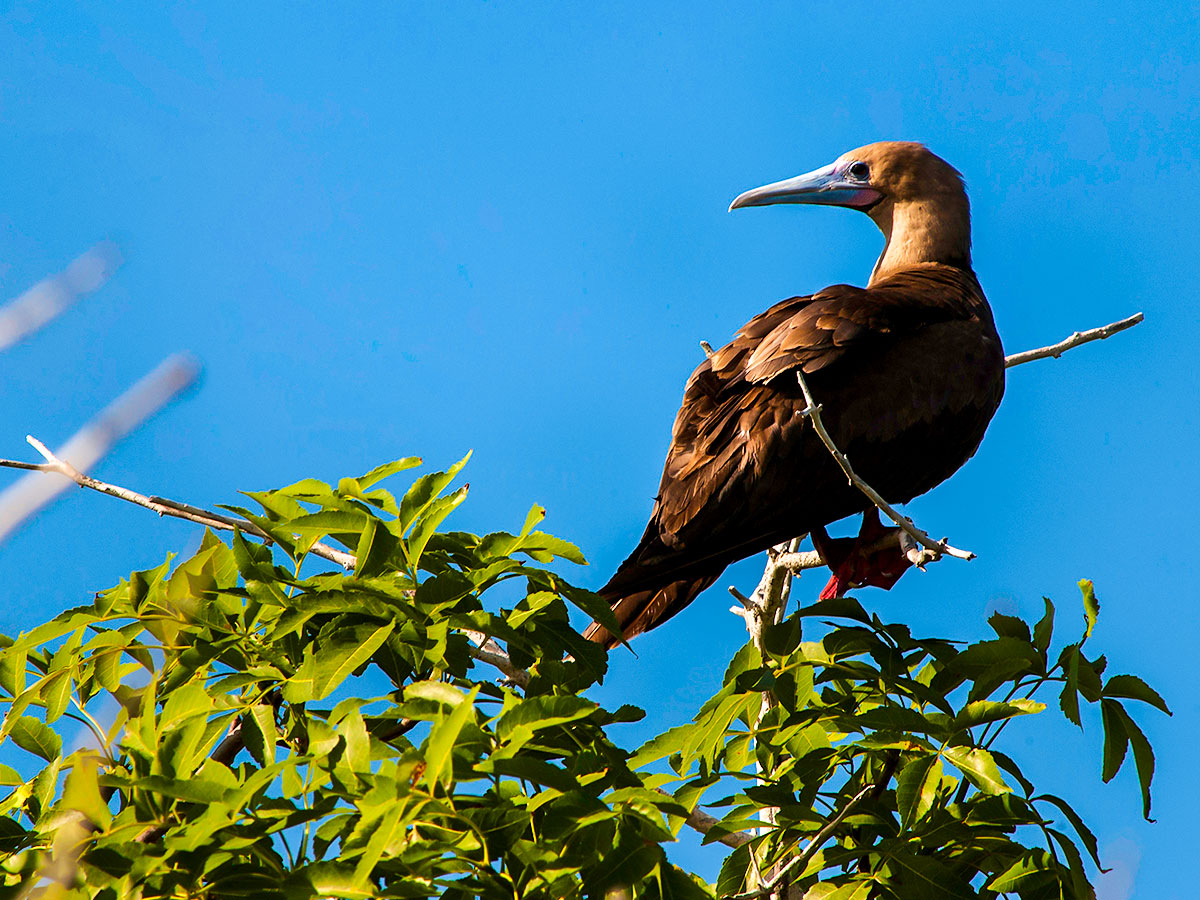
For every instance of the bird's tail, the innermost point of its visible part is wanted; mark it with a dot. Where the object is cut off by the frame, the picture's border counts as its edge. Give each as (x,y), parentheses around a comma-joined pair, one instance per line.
(639,612)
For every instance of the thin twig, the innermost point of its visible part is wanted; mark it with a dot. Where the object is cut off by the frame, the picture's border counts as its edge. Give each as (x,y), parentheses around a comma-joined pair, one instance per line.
(163,507)
(1079,337)
(921,537)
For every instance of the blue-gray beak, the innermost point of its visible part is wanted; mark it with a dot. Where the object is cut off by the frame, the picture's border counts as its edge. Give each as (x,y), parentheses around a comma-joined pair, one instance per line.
(826,187)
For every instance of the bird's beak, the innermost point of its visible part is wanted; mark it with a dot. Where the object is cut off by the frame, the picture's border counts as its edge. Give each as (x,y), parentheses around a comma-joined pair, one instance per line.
(826,187)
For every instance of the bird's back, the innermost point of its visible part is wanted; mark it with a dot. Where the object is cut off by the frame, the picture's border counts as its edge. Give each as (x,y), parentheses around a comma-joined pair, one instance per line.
(909,372)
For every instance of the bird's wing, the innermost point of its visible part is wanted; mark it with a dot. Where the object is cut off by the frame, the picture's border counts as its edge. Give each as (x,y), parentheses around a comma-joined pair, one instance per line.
(743,402)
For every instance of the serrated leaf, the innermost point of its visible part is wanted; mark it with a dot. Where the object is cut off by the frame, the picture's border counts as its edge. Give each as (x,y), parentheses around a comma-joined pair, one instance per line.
(427,523)
(1043,631)
(1085,833)
(36,737)
(916,788)
(1068,698)
(1143,755)
(1116,740)
(55,692)
(661,746)
(1009,626)
(260,734)
(184,703)
(1133,688)
(535,713)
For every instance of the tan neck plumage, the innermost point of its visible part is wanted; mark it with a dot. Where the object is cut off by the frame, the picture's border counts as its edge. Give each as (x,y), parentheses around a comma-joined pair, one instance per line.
(936,230)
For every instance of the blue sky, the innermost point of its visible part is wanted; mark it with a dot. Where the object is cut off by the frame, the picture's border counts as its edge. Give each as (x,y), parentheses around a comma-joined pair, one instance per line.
(424,228)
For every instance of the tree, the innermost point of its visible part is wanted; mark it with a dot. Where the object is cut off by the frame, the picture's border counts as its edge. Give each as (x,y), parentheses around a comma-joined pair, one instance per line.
(259,725)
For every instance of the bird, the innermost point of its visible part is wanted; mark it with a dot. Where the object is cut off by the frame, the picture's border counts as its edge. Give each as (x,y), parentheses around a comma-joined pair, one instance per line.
(909,371)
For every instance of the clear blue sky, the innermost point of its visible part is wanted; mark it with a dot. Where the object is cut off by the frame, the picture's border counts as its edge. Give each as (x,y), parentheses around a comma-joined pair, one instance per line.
(422,228)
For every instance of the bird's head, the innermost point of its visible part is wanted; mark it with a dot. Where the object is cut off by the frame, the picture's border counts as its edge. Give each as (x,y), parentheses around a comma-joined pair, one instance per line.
(915,197)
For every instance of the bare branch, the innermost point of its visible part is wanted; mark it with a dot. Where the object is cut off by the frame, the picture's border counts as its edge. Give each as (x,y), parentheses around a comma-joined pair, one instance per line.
(488,651)
(921,537)
(709,353)
(216,521)
(704,823)
(1079,337)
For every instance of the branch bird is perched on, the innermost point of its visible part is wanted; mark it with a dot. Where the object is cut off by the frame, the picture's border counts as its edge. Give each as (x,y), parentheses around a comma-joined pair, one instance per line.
(909,371)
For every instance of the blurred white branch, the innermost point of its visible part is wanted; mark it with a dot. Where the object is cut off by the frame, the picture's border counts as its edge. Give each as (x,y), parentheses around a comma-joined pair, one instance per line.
(89,445)
(47,299)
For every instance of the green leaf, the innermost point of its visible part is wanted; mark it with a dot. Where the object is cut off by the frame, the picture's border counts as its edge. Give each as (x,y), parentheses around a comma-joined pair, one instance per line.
(1133,688)
(1043,631)
(442,737)
(1031,869)
(983,711)
(375,547)
(534,713)
(1009,626)
(916,788)
(979,767)
(1068,699)
(184,703)
(925,877)
(423,492)
(1143,755)
(36,737)
(259,733)
(661,746)
(426,525)
(55,692)
(1085,833)
(379,473)
(1116,739)
(322,673)
(1091,606)
(82,792)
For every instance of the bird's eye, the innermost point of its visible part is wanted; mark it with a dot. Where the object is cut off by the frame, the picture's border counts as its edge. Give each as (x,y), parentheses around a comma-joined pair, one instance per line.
(859,171)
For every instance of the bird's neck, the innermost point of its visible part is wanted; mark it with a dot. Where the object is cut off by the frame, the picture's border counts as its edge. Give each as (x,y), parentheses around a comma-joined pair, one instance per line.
(923,231)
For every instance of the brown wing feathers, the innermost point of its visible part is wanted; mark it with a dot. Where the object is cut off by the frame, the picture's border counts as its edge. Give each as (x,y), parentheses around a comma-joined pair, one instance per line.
(898,366)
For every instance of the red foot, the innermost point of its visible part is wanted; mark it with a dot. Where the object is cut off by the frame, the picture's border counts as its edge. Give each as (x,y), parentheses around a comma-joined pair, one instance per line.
(852,565)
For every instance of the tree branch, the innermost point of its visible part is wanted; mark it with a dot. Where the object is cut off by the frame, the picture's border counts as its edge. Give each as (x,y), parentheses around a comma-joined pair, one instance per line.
(1079,337)
(161,505)
(488,651)
(937,548)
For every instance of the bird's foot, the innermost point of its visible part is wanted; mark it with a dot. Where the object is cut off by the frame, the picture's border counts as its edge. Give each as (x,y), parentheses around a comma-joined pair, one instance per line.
(861,561)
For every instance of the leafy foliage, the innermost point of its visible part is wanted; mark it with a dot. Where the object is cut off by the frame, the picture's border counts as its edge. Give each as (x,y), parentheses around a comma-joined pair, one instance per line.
(255,728)
(901,737)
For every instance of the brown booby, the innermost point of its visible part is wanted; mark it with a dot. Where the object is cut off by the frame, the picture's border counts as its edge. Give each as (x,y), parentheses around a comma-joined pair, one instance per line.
(909,371)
